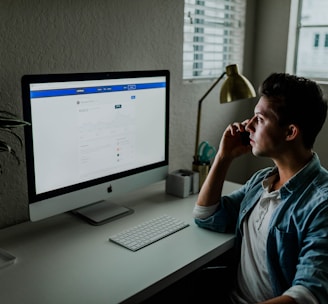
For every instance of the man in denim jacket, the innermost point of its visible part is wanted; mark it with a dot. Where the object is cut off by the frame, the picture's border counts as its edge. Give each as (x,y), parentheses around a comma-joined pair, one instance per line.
(280,216)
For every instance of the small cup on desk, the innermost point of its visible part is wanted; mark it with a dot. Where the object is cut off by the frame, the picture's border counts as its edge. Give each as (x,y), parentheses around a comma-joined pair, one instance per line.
(202,161)
(202,169)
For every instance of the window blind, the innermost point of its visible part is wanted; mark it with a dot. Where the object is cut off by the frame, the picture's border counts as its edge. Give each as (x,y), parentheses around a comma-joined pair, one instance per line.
(213,36)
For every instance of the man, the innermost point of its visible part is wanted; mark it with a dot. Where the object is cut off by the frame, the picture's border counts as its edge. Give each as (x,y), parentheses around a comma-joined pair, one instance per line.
(280,215)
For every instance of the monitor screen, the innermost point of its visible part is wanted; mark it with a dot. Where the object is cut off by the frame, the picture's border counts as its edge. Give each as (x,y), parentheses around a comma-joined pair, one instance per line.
(93,136)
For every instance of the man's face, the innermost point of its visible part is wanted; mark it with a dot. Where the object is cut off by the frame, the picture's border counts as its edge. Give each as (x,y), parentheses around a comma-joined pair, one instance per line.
(267,138)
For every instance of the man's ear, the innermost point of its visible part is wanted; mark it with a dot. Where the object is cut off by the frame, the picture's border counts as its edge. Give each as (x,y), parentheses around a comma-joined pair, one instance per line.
(292,132)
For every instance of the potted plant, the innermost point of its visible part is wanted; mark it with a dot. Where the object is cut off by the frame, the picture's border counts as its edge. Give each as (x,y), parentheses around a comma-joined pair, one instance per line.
(8,123)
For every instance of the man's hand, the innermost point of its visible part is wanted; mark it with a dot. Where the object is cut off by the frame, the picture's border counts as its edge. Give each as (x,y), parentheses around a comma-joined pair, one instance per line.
(231,144)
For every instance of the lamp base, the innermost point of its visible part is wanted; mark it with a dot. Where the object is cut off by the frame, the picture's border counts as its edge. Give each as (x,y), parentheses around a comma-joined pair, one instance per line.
(203,170)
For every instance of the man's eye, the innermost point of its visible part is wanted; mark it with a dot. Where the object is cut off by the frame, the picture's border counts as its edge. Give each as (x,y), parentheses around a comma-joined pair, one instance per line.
(259,119)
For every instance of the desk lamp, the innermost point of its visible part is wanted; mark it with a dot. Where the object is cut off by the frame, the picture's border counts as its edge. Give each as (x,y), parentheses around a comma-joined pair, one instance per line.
(235,87)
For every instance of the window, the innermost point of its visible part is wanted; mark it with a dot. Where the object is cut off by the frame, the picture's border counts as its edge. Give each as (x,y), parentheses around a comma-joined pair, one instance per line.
(311,42)
(213,36)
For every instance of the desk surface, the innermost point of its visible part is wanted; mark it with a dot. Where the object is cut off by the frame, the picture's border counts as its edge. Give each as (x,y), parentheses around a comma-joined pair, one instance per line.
(65,260)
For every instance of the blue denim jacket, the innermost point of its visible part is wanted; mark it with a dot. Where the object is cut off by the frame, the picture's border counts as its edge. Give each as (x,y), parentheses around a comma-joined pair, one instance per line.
(297,245)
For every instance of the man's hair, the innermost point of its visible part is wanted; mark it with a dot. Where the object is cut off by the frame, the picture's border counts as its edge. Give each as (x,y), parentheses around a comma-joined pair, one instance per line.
(299,101)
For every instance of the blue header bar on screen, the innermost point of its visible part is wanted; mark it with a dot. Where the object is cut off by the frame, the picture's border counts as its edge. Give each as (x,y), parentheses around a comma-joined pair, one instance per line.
(97,89)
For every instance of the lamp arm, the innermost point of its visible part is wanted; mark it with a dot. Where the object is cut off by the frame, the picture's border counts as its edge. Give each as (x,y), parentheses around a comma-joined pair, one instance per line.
(199,114)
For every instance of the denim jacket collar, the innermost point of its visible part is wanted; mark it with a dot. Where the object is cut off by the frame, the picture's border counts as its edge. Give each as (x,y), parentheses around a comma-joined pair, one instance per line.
(306,174)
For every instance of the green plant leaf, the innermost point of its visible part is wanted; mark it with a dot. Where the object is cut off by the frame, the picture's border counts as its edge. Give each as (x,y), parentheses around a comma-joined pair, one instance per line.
(8,122)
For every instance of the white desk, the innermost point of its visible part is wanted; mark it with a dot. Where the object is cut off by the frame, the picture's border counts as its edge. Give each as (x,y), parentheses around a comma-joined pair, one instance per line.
(65,260)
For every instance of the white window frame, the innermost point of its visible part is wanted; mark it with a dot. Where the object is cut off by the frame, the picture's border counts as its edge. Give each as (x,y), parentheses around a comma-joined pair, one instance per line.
(293,44)
(214,34)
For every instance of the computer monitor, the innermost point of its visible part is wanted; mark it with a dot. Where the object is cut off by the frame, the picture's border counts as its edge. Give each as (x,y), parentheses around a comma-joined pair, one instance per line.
(93,137)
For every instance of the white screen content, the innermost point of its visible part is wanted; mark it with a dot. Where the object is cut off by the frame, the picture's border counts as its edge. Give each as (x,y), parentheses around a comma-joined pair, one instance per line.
(90,129)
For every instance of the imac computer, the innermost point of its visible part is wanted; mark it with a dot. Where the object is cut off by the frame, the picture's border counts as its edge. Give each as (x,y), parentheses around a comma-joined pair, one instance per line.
(93,137)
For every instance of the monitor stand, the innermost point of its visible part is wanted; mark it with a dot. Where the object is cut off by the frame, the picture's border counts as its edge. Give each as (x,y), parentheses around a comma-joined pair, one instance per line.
(102,212)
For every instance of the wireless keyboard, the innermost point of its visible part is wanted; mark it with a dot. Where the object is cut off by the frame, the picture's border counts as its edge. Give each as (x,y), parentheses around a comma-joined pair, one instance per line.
(148,232)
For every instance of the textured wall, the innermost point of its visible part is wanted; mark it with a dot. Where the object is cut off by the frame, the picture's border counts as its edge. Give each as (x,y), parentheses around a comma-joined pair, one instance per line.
(77,36)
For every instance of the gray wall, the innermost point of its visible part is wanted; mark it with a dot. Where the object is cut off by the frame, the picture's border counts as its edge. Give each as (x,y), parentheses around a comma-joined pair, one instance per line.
(82,36)
(112,35)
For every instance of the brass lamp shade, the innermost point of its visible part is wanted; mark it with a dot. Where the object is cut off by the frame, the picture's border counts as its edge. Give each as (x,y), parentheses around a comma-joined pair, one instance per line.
(236,86)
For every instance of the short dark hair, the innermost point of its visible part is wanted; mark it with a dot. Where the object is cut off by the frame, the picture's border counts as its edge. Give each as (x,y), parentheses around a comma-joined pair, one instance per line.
(299,101)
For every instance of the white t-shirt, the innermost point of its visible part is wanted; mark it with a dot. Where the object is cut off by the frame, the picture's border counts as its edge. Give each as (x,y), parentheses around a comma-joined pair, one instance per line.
(253,277)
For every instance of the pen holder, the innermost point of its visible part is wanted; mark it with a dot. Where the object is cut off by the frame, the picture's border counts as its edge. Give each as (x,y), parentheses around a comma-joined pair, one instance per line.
(202,169)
